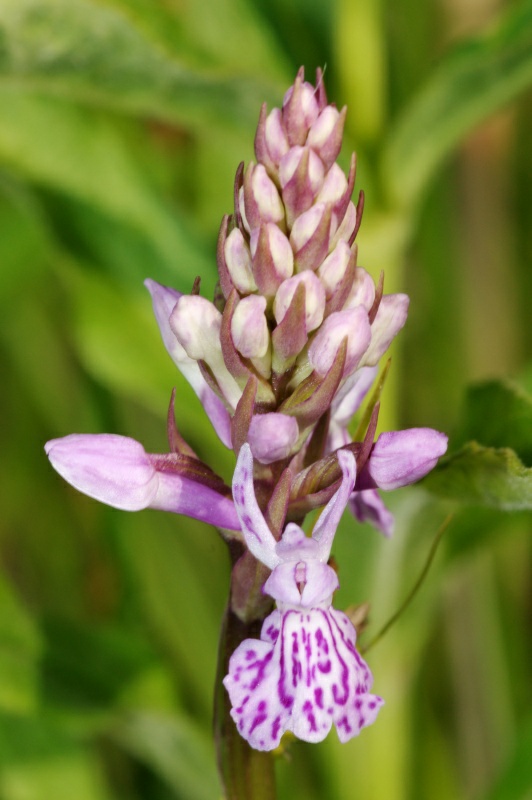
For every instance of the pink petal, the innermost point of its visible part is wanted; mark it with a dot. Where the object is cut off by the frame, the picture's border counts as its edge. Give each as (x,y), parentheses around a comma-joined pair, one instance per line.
(115,470)
(399,458)
(367,506)
(164,299)
(329,519)
(258,536)
(272,436)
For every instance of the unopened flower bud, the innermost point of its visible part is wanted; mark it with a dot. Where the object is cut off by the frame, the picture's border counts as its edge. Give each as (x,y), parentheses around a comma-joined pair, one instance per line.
(272,436)
(238,260)
(275,136)
(333,187)
(352,324)
(310,236)
(301,175)
(273,258)
(390,318)
(325,135)
(261,201)
(164,300)
(314,298)
(333,268)
(300,111)
(399,458)
(249,328)
(197,323)
(346,226)
(362,291)
(290,162)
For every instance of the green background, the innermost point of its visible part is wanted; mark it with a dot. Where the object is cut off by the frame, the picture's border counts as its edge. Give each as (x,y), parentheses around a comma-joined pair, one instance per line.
(122,123)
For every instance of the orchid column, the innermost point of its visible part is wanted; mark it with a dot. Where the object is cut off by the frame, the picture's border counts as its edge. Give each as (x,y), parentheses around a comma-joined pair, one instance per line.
(281,360)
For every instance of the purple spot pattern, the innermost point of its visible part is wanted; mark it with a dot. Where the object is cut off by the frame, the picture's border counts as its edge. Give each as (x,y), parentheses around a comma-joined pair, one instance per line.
(305,676)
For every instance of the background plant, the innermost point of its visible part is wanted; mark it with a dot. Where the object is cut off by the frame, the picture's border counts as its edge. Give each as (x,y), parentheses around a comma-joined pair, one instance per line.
(121,125)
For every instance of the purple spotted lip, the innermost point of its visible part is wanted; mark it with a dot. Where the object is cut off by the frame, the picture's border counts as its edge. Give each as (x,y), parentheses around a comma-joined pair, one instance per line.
(304,674)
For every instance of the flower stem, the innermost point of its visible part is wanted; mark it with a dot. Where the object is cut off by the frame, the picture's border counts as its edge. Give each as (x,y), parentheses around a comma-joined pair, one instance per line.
(246,774)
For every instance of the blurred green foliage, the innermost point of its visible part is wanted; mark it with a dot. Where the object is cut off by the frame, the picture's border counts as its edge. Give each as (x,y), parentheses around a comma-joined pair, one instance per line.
(121,125)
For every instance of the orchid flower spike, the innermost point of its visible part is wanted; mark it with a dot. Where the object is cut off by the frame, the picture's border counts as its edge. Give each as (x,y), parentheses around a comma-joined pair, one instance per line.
(304,674)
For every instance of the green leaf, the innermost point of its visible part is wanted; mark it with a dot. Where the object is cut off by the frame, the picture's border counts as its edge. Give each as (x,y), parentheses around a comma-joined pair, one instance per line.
(82,154)
(499,414)
(20,645)
(490,462)
(90,672)
(174,749)
(38,761)
(481,475)
(180,569)
(474,81)
(23,243)
(515,783)
(478,528)
(118,342)
(139,58)
(30,328)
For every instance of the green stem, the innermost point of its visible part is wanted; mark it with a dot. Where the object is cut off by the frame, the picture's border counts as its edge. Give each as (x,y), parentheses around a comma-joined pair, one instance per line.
(247,774)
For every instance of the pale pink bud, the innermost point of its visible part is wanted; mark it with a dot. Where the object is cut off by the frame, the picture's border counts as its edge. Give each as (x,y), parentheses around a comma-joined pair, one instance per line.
(347,225)
(306,225)
(276,139)
(249,328)
(300,111)
(272,436)
(399,458)
(325,135)
(333,187)
(261,198)
(164,300)
(238,260)
(333,268)
(310,237)
(390,318)
(352,324)
(273,258)
(197,323)
(266,196)
(242,209)
(290,162)
(301,174)
(362,291)
(314,299)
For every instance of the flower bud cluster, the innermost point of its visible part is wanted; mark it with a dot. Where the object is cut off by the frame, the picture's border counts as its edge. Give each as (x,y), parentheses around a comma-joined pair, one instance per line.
(295,312)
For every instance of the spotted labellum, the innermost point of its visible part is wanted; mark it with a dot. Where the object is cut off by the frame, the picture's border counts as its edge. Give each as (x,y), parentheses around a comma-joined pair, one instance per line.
(304,674)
